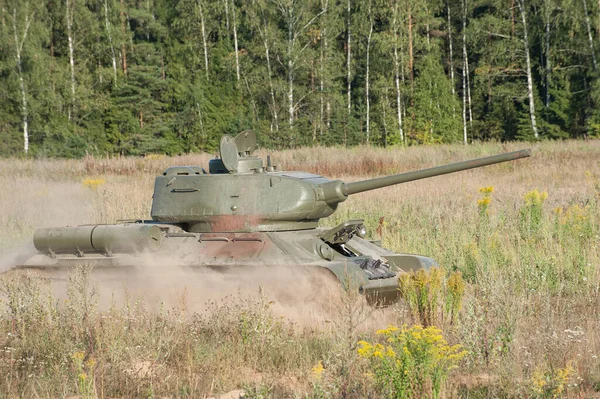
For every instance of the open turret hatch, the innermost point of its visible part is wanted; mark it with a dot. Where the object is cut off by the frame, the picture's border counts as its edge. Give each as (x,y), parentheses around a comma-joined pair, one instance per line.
(236,153)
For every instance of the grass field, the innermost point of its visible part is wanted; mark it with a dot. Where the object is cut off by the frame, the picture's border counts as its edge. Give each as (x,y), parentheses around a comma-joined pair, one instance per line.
(524,236)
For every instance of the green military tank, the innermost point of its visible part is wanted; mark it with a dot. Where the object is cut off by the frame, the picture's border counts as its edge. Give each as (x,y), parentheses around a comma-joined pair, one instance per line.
(245,213)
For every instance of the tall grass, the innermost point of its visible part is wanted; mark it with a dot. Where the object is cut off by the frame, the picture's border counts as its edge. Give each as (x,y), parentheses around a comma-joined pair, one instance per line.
(528,250)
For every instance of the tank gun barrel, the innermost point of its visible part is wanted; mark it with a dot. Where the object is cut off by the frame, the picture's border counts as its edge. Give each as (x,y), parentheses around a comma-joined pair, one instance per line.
(372,184)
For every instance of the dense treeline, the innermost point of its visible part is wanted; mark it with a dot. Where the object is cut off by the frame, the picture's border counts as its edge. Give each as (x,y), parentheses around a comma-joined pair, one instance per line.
(141,76)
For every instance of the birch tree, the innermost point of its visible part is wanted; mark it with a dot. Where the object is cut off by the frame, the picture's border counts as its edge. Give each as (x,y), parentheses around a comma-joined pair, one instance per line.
(396,31)
(367,93)
(465,74)
(260,18)
(22,16)
(521,6)
(450,55)
(589,32)
(348,66)
(235,40)
(296,19)
(193,24)
(322,60)
(69,20)
(200,14)
(109,34)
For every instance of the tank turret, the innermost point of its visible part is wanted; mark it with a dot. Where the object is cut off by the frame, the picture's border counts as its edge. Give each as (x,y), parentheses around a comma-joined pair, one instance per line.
(240,194)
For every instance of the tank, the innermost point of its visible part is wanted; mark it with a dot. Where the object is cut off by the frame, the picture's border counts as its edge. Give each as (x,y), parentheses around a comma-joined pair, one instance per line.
(244,213)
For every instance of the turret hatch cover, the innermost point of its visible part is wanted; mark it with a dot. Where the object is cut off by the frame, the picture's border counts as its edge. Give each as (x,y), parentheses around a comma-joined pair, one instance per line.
(246,142)
(229,153)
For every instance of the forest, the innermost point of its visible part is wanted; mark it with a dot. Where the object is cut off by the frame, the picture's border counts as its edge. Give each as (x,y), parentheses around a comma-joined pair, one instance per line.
(136,77)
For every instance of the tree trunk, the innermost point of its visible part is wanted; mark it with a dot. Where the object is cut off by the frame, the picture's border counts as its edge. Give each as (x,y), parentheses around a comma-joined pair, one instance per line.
(367,75)
(450,56)
(411,72)
(397,75)
(589,30)
(204,40)
(465,72)
(124,45)
(69,18)
(110,41)
(349,72)
(290,47)
(547,53)
(19,42)
(275,118)
(466,62)
(324,5)
(384,117)
(235,42)
(520,4)
(464,110)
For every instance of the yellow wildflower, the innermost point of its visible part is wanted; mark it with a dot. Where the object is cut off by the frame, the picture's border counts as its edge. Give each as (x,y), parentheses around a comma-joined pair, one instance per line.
(317,370)
(484,201)
(93,184)
(535,197)
(486,190)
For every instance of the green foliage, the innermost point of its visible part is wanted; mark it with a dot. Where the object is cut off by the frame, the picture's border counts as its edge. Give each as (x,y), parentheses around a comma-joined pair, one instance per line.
(160,76)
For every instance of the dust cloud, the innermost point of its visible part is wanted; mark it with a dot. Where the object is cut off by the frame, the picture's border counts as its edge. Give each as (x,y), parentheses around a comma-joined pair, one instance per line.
(297,294)
(23,251)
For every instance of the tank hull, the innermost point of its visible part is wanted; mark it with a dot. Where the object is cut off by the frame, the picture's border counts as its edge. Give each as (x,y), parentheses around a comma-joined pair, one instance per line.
(363,266)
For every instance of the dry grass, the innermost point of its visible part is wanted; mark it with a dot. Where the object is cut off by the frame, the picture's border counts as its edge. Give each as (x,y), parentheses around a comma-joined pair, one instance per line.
(529,319)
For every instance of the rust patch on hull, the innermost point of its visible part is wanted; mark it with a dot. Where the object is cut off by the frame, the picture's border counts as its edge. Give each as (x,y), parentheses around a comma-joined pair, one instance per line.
(228,223)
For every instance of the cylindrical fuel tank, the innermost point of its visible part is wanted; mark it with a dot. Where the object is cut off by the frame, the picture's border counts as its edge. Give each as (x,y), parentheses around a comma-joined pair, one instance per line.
(76,239)
(105,239)
(126,238)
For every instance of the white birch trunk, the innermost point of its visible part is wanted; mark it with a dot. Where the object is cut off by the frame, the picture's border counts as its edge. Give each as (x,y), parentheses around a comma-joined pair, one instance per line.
(548,66)
(328,101)
(291,66)
(324,5)
(385,104)
(267,55)
(110,41)
(204,40)
(465,73)
(520,4)
(19,42)
(349,76)
(466,62)
(321,90)
(589,30)
(397,75)
(235,43)
(367,76)
(451,59)
(464,110)
(469,93)
(69,17)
